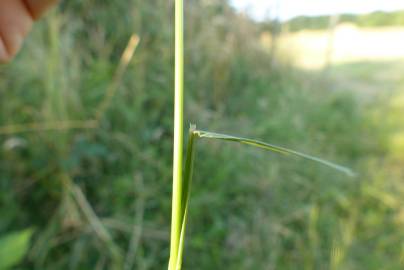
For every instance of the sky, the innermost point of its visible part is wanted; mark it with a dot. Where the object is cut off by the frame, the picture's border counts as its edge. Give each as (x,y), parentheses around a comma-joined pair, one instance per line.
(287,9)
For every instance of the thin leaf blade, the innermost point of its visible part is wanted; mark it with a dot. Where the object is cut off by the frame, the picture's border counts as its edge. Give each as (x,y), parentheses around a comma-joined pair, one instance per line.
(273,148)
(187,182)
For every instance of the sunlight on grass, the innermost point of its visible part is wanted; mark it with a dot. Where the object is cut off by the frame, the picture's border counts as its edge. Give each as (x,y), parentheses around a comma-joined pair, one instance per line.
(397,144)
(309,48)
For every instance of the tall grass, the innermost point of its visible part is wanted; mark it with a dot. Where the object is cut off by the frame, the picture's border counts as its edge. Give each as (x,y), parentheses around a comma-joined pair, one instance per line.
(182,173)
(248,210)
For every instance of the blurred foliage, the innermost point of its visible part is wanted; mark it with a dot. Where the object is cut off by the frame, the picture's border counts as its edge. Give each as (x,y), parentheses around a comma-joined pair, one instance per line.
(13,248)
(93,194)
(374,19)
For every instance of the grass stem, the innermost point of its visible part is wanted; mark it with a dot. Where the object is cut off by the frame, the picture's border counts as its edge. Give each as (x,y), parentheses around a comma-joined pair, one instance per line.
(176,218)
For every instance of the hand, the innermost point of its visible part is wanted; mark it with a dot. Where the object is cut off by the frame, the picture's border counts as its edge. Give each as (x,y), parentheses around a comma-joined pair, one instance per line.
(16,19)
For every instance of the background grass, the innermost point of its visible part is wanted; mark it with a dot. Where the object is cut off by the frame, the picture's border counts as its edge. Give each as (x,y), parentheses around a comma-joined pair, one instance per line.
(249,210)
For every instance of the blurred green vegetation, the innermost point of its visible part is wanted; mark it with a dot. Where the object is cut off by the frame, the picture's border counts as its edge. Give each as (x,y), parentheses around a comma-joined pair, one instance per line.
(374,19)
(99,197)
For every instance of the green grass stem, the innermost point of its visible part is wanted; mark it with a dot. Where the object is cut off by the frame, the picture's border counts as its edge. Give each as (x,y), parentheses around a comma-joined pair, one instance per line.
(176,218)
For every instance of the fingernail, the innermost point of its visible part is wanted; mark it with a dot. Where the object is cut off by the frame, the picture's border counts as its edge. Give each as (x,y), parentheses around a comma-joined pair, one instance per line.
(3,52)
(17,44)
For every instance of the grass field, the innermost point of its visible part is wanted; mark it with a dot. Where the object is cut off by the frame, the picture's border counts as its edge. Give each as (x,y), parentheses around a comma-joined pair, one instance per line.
(98,196)
(367,63)
(347,43)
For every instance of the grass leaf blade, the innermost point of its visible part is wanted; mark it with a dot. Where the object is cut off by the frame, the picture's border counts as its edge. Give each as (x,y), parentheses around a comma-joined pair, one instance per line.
(187,182)
(273,148)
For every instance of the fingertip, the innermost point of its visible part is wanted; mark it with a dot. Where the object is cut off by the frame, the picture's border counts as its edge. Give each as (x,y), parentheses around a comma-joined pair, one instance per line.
(15,24)
(37,8)
(7,53)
